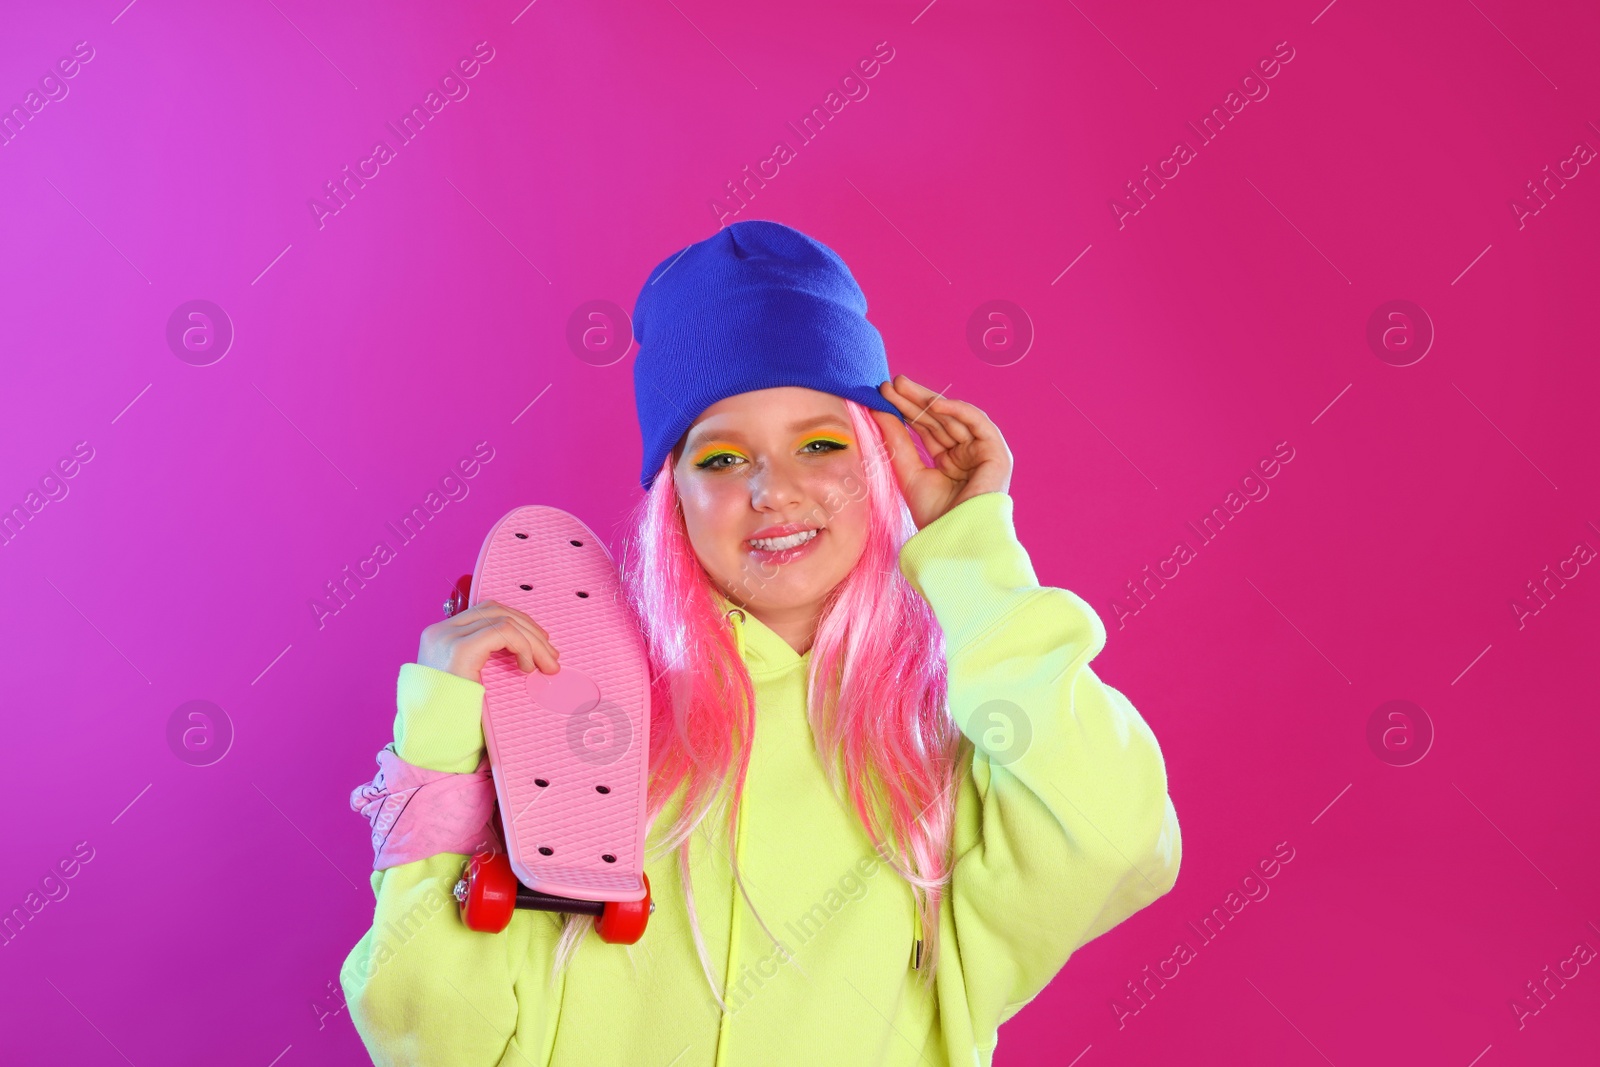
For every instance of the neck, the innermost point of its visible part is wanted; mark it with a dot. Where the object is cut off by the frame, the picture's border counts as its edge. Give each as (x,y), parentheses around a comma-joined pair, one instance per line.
(797,626)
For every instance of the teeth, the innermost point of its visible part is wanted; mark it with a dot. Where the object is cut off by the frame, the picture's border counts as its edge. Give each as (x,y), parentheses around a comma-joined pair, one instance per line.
(778,544)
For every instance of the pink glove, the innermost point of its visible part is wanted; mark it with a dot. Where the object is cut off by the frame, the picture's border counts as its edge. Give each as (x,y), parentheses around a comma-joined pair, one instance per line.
(417,813)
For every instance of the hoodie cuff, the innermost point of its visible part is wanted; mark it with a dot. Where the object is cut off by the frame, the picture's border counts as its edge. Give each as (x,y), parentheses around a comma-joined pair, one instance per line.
(439,724)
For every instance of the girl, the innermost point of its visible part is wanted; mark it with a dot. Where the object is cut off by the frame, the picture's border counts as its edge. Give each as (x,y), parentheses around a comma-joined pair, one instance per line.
(889,796)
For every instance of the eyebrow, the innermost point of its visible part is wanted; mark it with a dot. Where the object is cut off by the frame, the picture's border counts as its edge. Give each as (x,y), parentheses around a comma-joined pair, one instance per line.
(699,434)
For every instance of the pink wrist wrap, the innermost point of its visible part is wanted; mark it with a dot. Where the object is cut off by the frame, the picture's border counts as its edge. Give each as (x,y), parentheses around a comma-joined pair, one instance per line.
(417,813)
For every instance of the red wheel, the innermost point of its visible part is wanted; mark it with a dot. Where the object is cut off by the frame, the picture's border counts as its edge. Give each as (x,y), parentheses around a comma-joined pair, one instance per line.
(623,921)
(456,602)
(487,893)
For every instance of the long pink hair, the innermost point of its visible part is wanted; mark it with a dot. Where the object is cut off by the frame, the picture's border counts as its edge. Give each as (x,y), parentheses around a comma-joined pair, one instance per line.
(876,696)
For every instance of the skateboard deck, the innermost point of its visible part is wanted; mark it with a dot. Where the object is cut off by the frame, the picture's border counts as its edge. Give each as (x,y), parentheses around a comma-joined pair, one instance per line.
(568,751)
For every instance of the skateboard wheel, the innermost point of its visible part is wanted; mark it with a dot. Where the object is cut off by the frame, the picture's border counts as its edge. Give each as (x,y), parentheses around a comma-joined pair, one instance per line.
(487,893)
(456,602)
(623,921)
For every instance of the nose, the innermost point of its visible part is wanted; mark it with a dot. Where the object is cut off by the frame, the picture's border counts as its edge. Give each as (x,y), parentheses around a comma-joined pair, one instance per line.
(774,488)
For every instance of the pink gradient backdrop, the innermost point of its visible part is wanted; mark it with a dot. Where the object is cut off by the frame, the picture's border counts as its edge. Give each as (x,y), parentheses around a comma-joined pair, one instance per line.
(1228,315)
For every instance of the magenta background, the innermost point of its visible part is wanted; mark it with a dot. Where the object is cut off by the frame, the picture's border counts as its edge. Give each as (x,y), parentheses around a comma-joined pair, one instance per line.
(379,349)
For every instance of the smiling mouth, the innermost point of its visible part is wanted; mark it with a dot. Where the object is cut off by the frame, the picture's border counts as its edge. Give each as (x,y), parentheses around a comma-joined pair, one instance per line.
(780,544)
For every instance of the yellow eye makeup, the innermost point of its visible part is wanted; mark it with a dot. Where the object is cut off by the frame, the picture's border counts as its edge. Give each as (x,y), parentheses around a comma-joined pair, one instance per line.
(706,456)
(711,451)
(838,441)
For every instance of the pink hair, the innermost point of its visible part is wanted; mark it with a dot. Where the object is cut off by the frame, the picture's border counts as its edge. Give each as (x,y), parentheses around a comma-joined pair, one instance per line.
(876,695)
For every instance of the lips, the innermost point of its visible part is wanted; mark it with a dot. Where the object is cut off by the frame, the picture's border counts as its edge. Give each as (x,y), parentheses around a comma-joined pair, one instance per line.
(785,543)
(780,544)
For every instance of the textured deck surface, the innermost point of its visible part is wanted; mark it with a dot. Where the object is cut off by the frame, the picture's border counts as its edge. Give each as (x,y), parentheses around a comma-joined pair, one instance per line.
(581,730)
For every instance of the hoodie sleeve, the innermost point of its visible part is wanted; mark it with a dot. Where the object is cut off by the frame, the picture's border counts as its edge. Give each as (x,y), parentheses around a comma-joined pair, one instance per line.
(421,987)
(1064,828)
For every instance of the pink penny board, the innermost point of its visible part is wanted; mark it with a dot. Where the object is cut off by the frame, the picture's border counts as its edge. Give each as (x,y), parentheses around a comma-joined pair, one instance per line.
(568,751)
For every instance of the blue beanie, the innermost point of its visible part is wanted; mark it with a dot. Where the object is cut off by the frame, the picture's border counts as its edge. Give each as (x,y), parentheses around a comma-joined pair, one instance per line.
(754,306)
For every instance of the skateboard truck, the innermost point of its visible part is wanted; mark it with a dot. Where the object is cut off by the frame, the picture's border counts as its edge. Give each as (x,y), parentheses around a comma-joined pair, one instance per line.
(489,891)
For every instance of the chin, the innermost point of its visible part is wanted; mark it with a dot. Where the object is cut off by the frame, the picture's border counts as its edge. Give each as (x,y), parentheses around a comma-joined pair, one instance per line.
(784,593)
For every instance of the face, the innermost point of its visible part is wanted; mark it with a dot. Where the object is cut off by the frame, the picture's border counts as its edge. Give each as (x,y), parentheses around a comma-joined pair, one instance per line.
(773,496)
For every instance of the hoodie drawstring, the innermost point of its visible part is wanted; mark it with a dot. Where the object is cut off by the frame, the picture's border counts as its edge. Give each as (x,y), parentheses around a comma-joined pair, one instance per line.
(736,618)
(916,934)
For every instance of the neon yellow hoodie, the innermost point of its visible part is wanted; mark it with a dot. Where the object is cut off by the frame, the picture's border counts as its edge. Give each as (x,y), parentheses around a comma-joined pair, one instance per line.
(1062,831)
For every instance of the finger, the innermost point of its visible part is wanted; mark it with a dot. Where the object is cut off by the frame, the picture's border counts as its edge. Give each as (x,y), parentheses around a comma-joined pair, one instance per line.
(933,438)
(915,391)
(956,418)
(950,422)
(483,609)
(903,457)
(545,654)
(913,388)
(529,621)
(907,396)
(909,410)
(488,609)
(509,638)
(901,402)
(919,400)
(970,417)
(532,630)
(546,658)
(530,650)
(932,441)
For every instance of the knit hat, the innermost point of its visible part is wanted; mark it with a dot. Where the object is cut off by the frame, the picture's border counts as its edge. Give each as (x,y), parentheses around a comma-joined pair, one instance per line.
(754,306)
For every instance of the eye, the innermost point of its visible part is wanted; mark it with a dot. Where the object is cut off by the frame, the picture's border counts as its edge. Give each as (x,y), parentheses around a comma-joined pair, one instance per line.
(827,446)
(711,462)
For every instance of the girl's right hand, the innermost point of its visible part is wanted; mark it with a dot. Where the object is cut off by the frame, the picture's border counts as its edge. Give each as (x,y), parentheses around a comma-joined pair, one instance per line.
(462,644)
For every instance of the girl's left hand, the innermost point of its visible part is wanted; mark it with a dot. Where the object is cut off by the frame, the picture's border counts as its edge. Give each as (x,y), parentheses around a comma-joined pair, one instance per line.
(970,457)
